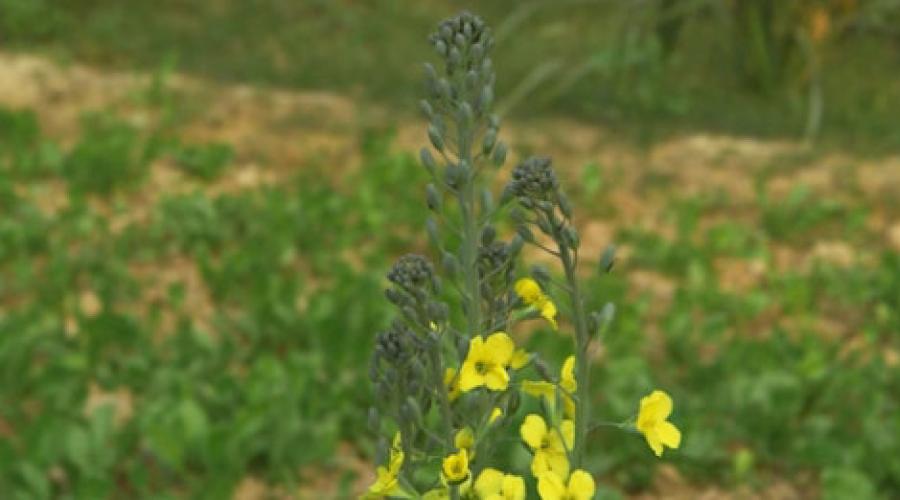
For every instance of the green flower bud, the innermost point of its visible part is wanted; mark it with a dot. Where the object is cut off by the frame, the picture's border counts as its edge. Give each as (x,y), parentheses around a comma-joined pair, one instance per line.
(608,259)
(427,160)
(499,154)
(425,108)
(488,234)
(565,206)
(436,139)
(432,198)
(571,236)
(490,139)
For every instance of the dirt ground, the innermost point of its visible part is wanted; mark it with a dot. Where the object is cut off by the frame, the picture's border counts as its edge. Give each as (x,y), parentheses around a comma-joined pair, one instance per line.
(276,131)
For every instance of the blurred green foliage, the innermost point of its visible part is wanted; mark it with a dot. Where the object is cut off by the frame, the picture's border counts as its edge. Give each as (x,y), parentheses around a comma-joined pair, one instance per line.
(650,68)
(271,375)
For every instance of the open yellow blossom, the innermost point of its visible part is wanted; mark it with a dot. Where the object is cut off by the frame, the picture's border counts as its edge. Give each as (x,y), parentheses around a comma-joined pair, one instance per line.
(520,358)
(530,293)
(455,469)
(465,440)
(486,363)
(549,445)
(451,382)
(652,423)
(495,485)
(495,414)
(387,482)
(553,487)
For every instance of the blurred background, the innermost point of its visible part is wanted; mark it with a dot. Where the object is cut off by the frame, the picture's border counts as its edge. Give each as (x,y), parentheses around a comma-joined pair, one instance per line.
(199,201)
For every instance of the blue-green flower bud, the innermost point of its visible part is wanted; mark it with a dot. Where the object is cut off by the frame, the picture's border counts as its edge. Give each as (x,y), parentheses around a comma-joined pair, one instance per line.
(499,156)
(441,47)
(425,108)
(486,98)
(471,80)
(488,234)
(515,246)
(565,206)
(432,198)
(525,233)
(460,40)
(608,259)
(571,236)
(465,113)
(490,139)
(435,137)
(427,160)
(455,57)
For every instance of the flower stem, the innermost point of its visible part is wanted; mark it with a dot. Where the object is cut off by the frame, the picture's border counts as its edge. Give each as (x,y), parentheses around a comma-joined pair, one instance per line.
(582,363)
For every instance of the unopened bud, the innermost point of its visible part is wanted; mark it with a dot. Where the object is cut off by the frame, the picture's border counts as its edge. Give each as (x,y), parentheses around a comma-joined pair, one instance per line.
(488,234)
(432,198)
(499,156)
(436,139)
(427,160)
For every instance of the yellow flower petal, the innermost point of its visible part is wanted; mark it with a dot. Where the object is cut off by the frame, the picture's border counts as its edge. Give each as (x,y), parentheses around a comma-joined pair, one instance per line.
(513,487)
(654,442)
(469,378)
(548,312)
(567,375)
(656,406)
(497,379)
(519,359)
(528,290)
(533,430)
(495,414)
(451,382)
(500,348)
(539,389)
(581,485)
(551,487)
(669,435)
(489,482)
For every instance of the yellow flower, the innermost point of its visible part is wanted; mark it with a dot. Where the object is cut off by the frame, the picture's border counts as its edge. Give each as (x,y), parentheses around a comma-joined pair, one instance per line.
(451,382)
(495,485)
(387,482)
(495,414)
(456,467)
(486,363)
(553,487)
(465,440)
(530,293)
(549,445)
(652,423)
(519,359)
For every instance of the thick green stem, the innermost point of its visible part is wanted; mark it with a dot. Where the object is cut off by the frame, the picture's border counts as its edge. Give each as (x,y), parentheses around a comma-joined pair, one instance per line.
(470,236)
